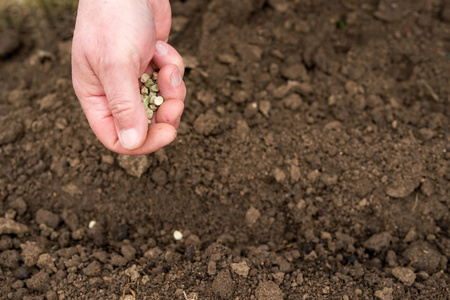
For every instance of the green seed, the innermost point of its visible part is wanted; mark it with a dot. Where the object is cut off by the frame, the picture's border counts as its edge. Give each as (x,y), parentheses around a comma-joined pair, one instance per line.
(154,88)
(153,107)
(144,90)
(149,83)
(144,77)
(146,101)
(155,76)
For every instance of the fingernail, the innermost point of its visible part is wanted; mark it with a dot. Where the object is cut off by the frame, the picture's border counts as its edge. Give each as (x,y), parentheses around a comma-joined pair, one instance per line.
(175,79)
(160,48)
(129,139)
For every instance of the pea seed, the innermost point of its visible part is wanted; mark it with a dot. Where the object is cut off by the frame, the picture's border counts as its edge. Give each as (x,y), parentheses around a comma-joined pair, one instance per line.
(158,100)
(144,90)
(144,77)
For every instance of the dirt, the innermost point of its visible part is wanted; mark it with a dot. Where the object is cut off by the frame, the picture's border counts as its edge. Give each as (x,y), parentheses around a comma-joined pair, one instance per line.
(312,160)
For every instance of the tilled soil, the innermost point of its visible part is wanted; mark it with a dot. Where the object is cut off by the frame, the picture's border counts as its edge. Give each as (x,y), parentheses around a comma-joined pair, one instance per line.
(312,161)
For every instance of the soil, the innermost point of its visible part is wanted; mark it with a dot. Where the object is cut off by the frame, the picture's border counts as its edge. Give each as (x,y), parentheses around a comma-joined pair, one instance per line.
(312,161)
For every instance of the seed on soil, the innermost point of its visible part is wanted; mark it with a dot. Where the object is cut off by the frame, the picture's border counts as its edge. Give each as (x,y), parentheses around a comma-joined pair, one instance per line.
(150,94)
(177,235)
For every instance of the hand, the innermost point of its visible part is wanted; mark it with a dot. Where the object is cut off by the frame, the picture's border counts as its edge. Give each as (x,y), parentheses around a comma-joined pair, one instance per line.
(113,45)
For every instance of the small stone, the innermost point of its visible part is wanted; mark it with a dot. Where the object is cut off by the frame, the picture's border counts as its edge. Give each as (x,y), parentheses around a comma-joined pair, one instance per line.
(427,187)
(279,175)
(402,189)
(384,294)
(423,256)
(19,205)
(47,217)
(410,236)
(268,290)
(128,252)
(22,272)
(9,259)
(30,253)
(11,130)
(264,107)
(240,268)
(252,215)
(212,268)
(391,259)
(39,281)
(292,102)
(108,159)
(223,285)
(405,275)
(159,176)
(118,260)
(378,241)
(132,273)
(93,269)
(46,262)
(134,165)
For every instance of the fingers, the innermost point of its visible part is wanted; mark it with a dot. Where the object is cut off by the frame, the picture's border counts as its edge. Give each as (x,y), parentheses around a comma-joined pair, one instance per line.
(163,18)
(121,88)
(170,112)
(165,55)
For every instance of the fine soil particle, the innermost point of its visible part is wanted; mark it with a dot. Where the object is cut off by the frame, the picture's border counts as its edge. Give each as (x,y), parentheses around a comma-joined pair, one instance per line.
(311,161)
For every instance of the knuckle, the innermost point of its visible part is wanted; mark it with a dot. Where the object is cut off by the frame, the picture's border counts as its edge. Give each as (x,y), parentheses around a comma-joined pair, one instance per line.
(121,108)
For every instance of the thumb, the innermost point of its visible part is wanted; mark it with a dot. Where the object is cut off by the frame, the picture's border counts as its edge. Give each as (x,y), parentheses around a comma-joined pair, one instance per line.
(121,88)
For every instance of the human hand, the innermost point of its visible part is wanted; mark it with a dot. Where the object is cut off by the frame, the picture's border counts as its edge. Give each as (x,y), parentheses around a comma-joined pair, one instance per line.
(114,43)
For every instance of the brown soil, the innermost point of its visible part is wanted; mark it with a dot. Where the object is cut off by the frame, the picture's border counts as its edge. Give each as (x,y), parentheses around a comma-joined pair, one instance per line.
(312,161)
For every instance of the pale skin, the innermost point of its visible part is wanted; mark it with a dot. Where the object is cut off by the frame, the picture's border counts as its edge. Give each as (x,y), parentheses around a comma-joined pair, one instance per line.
(114,43)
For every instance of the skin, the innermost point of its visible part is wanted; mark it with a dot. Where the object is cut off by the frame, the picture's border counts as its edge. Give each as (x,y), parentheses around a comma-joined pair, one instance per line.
(114,43)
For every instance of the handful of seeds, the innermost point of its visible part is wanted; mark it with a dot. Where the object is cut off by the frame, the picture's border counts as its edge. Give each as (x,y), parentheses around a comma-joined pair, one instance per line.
(150,94)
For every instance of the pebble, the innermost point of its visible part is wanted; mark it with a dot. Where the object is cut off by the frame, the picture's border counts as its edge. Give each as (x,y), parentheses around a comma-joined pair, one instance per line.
(134,165)
(48,218)
(118,260)
(279,175)
(265,107)
(39,281)
(252,215)
(132,273)
(378,242)
(19,205)
(22,272)
(410,236)
(30,253)
(93,269)
(405,275)
(384,294)
(423,256)
(128,252)
(11,130)
(268,290)
(240,268)
(223,285)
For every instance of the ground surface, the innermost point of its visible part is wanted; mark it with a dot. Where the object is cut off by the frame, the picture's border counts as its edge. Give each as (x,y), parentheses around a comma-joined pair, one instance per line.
(312,161)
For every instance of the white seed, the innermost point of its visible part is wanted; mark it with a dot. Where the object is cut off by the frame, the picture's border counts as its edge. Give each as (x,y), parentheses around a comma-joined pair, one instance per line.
(92,224)
(158,100)
(177,235)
